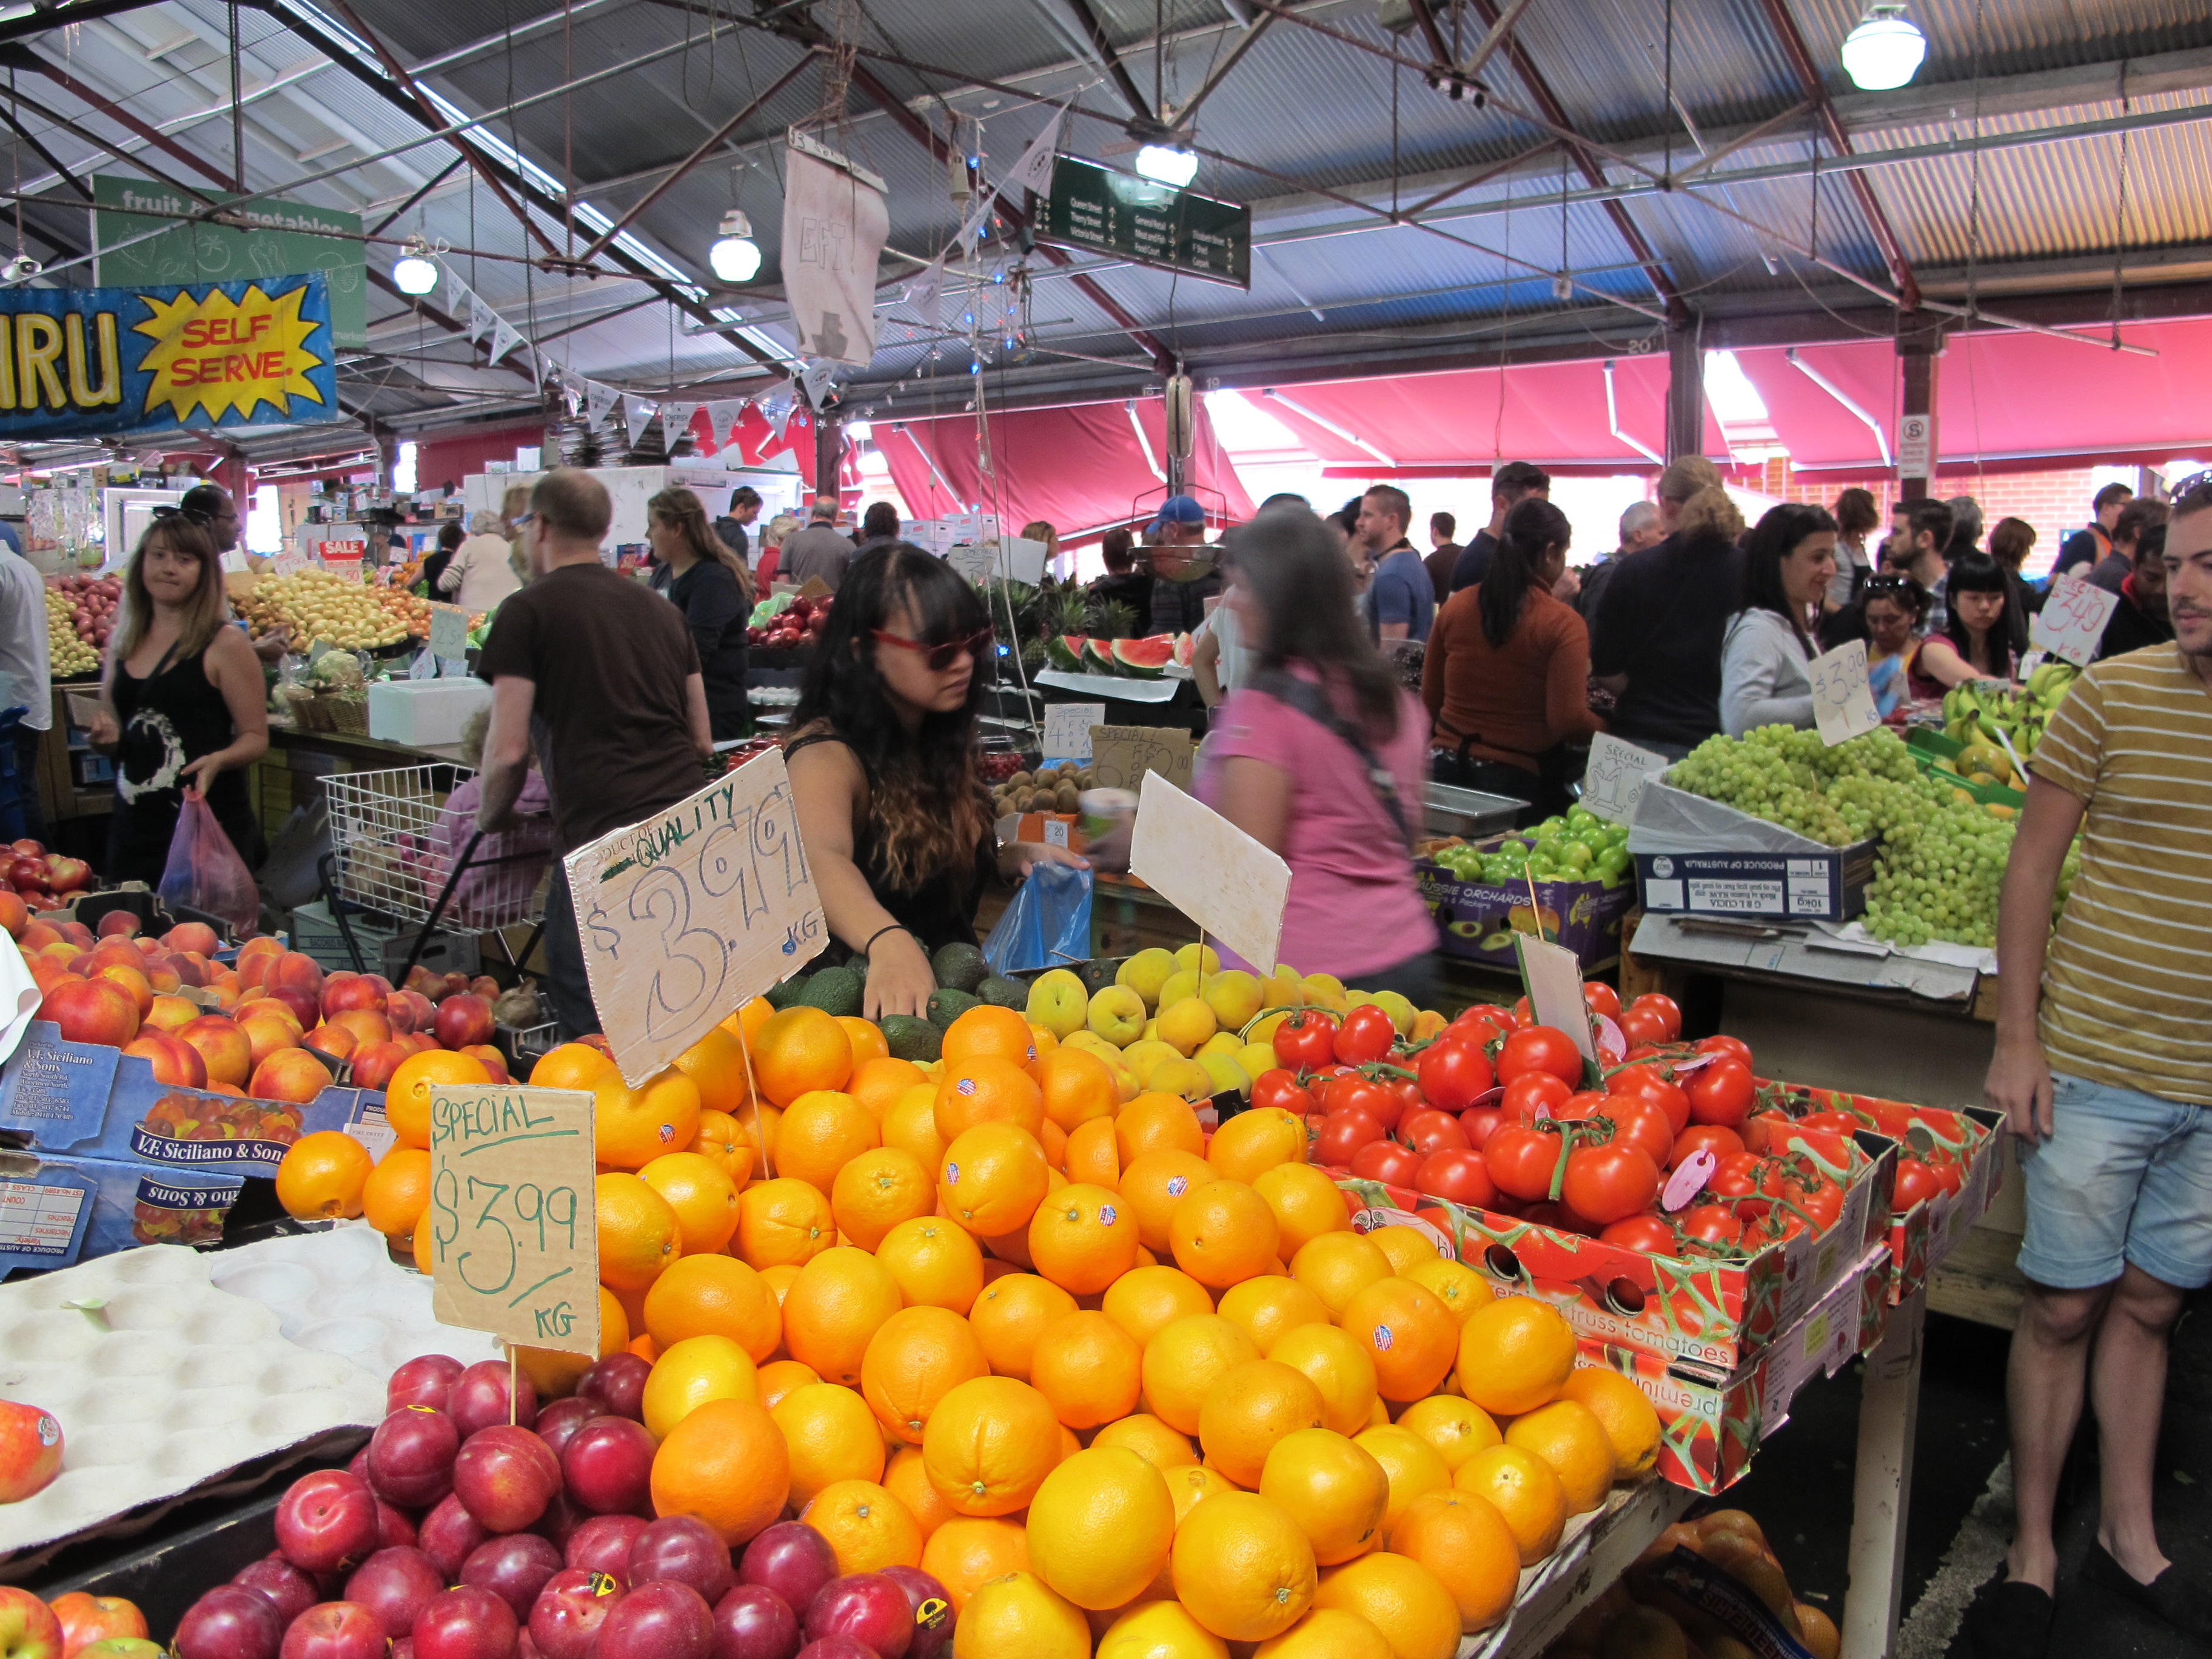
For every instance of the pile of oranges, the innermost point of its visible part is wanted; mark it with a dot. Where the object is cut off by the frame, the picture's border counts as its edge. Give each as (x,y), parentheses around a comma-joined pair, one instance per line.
(1112,1378)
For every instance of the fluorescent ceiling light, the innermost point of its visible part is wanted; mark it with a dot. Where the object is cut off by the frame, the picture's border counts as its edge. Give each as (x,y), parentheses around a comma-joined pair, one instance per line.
(1168,164)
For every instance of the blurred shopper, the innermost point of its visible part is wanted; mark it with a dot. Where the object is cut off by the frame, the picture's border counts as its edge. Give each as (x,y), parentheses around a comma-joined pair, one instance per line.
(2011,540)
(450,538)
(2134,518)
(1891,608)
(878,525)
(480,573)
(1921,529)
(1444,553)
(1856,518)
(514,507)
(1401,597)
(1322,757)
(1640,528)
(25,678)
(710,584)
(1966,527)
(820,550)
(1179,592)
(2086,547)
(2104,1073)
(1766,656)
(604,677)
(1507,676)
(2141,617)
(1123,584)
(1040,530)
(1656,644)
(1976,640)
(744,507)
(770,569)
(1510,485)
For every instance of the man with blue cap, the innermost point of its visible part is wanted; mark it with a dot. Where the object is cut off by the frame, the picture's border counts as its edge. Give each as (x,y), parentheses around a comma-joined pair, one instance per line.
(1178,606)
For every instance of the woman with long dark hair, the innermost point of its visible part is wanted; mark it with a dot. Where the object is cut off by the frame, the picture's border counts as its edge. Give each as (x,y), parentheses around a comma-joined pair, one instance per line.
(1767,655)
(892,805)
(181,698)
(1977,640)
(1507,676)
(1322,757)
(710,584)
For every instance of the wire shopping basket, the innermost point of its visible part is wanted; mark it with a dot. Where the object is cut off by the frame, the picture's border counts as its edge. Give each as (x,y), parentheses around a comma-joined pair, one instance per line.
(404,842)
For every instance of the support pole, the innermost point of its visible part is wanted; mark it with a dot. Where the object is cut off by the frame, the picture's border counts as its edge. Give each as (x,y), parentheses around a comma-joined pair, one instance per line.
(1686,391)
(828,451)
(1919,343)
(1889,1416)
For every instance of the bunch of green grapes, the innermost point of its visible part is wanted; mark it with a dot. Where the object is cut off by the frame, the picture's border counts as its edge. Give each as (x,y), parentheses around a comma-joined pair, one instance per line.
(1877,754)
(1770,774)
(1938,877)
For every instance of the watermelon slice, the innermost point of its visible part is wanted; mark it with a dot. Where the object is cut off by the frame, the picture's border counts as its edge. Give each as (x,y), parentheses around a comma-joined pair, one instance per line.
(1185,644)
(1145,658)
(1065,652)
(1098,658)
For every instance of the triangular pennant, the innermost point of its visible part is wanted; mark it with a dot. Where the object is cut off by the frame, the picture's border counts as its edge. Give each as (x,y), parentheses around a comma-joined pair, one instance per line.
(777,405)
(504,338)
(722,415)
(926,293)
(816,380)
(972,227)
(675,422)
(599,403)
(1033,171)
(637,415)
(481,318)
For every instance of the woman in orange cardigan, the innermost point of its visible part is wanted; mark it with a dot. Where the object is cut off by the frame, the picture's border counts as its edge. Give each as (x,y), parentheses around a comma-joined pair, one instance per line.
(1507,674)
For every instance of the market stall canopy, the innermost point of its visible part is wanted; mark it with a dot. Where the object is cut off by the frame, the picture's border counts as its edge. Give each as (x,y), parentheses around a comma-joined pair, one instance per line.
(1082,467)
(2000,398)
(1466,422)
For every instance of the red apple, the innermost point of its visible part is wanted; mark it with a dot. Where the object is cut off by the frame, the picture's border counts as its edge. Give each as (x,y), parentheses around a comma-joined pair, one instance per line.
(791,1558)
(409,1011)
(374,1063)
(334,1630)
(28,848)
(447,1535)
(396,1585)
(505,1477)
(26,874)
(228,1622)
(665,1620)
(410,1456)
(753,1622)
(513,1567)
(466,1622)
(837,1647)
(125,1647)
(617,1383)
(28,1629)
(565,1620)
(30,1450)
(685,1550)
(67,875)
(558,1421)
(866,1606)
(394,1530)
(603,1545)
(479,1398)
(484,986)
(606,1468)
(932,1637)
(462,1020)
(86,1619)
(326,1520)
(290,1591)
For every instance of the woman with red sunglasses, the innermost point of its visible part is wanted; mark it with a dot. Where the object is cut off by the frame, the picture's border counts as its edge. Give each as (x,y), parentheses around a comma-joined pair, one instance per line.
(884,768)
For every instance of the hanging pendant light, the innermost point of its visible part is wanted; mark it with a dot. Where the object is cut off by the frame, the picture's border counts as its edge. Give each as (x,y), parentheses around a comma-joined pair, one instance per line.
(412,272)
(1886,49)
(735,256)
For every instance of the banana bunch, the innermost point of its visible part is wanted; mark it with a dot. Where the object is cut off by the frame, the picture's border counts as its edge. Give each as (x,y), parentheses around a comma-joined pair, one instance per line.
(1974,713)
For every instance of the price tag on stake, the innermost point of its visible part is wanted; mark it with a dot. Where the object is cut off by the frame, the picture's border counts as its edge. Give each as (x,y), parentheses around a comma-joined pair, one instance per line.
(449,631)
(2071,624)
(514,1217)
(1223,879)
(1843,703)
(687,915)
(1553,976)
(1614,779)
(1067,729)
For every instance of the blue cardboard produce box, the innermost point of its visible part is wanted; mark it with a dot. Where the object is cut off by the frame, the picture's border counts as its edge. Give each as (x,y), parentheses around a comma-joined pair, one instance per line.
(56,1211)
(1477,921)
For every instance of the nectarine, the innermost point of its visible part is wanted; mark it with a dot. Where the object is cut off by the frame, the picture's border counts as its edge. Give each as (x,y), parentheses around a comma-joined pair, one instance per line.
(374,1063)
(226,1049)
(133,981)
(366,1023)
(267,1035)
(291,1074)
(194,936)
(93,1010)
(172,1014)
(175,1063)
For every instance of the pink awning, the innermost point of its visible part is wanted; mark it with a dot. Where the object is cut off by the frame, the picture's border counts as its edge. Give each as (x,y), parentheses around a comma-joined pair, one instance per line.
(1081,468)
(1465,421)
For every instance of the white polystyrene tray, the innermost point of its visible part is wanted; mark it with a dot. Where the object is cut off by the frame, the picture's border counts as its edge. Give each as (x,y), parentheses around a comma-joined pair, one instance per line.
(167,1386)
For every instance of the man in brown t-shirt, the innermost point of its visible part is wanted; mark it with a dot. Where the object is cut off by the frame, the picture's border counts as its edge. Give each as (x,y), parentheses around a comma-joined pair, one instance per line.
(600,672)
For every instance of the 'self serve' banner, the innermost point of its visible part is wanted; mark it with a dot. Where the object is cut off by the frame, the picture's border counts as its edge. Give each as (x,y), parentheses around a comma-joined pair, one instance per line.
(75,361)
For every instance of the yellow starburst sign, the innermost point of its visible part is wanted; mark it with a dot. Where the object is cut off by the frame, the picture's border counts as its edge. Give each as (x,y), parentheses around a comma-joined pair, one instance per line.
(239,347)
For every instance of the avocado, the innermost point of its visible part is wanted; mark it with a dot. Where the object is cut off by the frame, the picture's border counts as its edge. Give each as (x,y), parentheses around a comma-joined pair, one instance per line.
(1001,993)
(947,1006)
(910,1038)
(1098,973)
(834,991)
(786,993)
(1500,940)
(959,967)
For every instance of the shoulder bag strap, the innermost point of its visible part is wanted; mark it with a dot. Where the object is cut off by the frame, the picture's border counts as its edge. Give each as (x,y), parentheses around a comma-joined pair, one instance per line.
(1311,701)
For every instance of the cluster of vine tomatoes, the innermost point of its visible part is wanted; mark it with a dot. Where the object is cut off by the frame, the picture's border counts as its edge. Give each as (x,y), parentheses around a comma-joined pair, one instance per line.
(1492,1113)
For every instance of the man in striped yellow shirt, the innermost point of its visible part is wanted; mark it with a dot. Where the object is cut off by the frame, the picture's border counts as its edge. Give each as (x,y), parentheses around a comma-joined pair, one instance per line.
(2104,1069)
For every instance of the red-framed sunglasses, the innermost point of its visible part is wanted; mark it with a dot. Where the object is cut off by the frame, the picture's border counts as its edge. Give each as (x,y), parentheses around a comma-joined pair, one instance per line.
(940,657)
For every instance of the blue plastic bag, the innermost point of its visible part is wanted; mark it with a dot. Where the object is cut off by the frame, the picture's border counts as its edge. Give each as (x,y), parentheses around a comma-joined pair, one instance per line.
(1047,926)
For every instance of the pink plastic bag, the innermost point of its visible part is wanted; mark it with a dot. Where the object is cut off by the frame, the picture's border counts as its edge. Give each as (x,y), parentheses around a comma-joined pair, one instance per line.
(205,872)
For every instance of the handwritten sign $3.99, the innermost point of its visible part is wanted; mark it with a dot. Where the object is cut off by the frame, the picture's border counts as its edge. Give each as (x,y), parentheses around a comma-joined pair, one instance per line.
(514,1240)
(685,916)
(1843,699)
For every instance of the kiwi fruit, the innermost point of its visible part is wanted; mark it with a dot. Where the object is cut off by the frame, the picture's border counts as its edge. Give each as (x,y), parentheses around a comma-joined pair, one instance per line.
(1020,779)
(1086,778)
(1064,798)
(1025,800)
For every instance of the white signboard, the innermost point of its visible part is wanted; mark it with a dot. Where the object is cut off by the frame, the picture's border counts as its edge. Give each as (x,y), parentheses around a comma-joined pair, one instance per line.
(1915,446)
(2071,623)
(1067,729)
(1210,869)
(834,222)
(1843,701)
(1553,976)
(449,631)
(1616,775)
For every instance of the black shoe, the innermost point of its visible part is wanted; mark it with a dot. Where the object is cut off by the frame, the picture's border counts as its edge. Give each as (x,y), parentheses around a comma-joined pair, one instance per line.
(2186,1605)
(2009,1619)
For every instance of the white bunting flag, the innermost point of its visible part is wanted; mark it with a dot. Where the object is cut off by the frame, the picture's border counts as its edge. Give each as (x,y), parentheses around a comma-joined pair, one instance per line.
(722,415)
(675,422)
(926,293)
(817,379)
(504,338)
(637,415)
(1033,171)
(599,403)
(481,318)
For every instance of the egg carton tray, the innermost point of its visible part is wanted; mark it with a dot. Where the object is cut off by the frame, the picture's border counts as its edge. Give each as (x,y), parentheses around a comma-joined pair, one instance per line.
(166,1388)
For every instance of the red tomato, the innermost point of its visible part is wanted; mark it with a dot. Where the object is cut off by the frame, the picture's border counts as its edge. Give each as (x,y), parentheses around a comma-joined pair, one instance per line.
(1583,1103)
(1523,1019)
(1541,1048)
(1643,1028)
(1736,1047)
(1366,1036)
(1601,999)
(1454,1073)
(1348,1091)
(1665,1009)
(1343,1134)
(1408,1092)
(1703,1138)
(1306,1039)
(1916,1183)
(1611,1182)
(1765,1132)
(1429,1130)
(1521,1160)
(1456,1174)
(1532,1094)
(1946,1173)
(1480,1122)
(1714,1223)
(1640,1123)
(1646,1080)
(1841,1123)
(1386,1160)
(1649,1233)
(1281,1088)
(1721,1092)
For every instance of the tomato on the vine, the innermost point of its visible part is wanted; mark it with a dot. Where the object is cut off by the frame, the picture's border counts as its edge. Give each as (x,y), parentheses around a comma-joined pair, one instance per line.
(1523,1016)
(1916,1183)
(1480,1122)
(1646,1080)
(1386,1160)
(1640,1123)
(1735,1048)
(1522,1160)
(1663,1008)
(1483,1022)
(1541,1048)
(1946,1173)
(1713,1224)
(1306,1039)
(1721,1092)
(1366,1036)
(1458,1175)
(1408,1092)
(1342,1134)
(1454,1073)
(1601,999)
(1712,1137)
(1281,1088)
(1643,1028)
(1581,1105)
(1428,1130)
(1611,1182)
(1532,1095)
(1349,1091)
(1648,1233)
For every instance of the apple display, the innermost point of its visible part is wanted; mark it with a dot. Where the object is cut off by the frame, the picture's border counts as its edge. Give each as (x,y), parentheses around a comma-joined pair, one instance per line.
(228,1622)
(664,1620)
(866,1606)
(606,1468)
(753,1622)
(425,1380)
(513,1567)
(558,1421)
(505,1477)
(565,1620)
(410,1456)
(791,1558)
(447,1535)
(932,1629)
(290,1590)
(30,1450)
(479,1398)
(602,1544)
(396,1585)
(334,1630)
(326,1520)
(617,1383)
(466,1622)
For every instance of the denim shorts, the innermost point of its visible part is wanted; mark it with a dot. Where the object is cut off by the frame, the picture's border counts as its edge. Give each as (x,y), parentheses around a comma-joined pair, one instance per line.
(2126,1176)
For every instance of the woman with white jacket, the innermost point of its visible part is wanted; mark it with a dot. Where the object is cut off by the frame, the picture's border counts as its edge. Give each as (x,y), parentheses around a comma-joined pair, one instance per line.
(1767,655)
(478,575)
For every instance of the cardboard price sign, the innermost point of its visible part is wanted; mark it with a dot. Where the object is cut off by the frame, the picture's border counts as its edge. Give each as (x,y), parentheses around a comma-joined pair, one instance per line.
(513,1219)
(1553,979)
(1067,729)
(1615,780)
(2071,623)
(1843,701)
(688,914)
(449,632)
(1213,872)
(1121,755)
